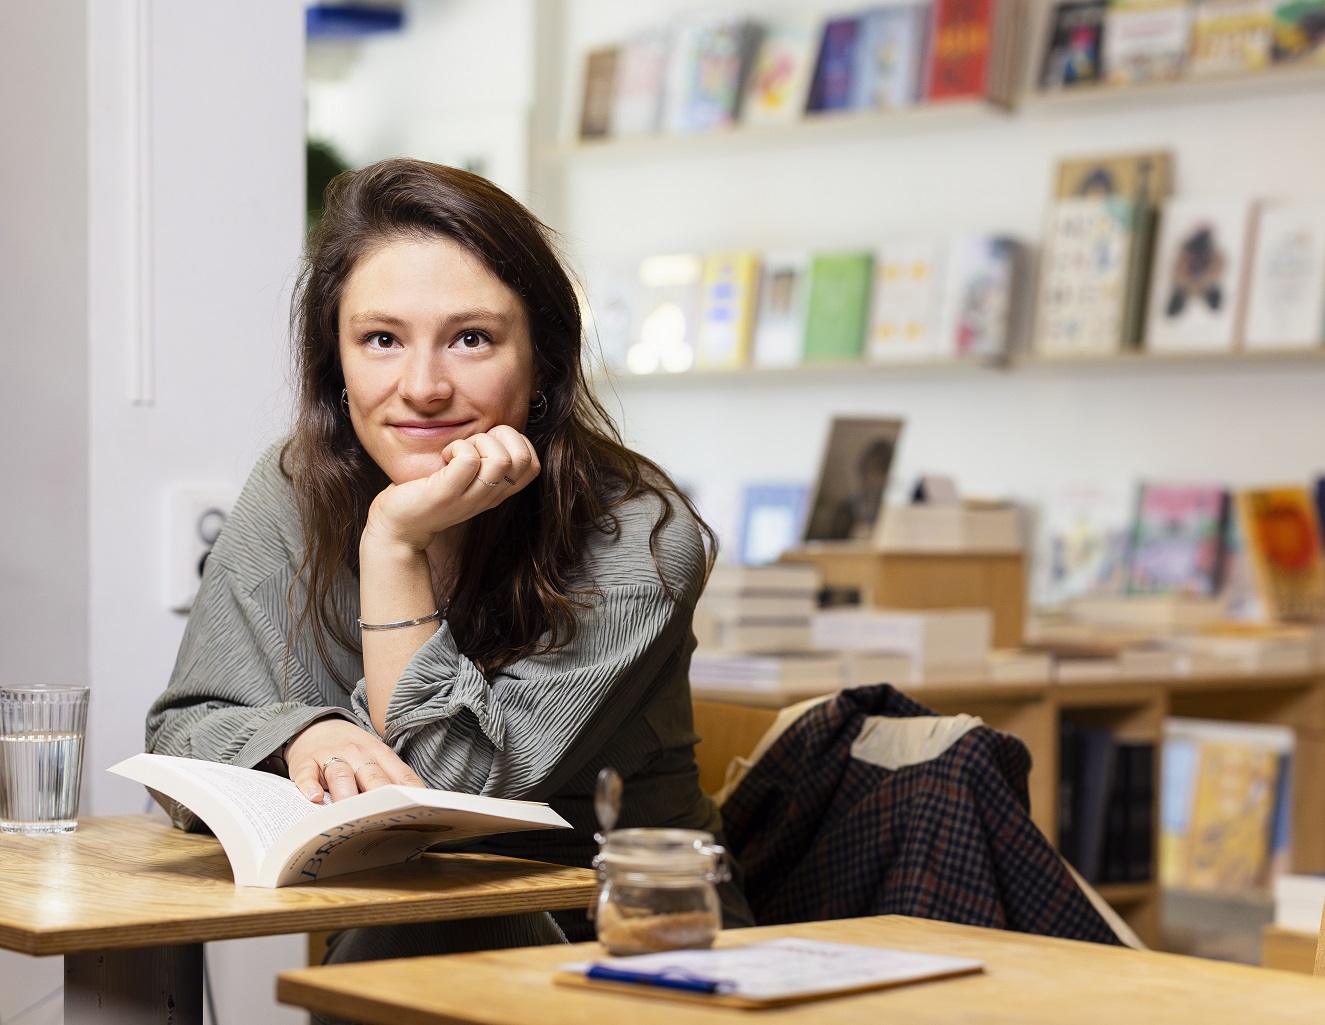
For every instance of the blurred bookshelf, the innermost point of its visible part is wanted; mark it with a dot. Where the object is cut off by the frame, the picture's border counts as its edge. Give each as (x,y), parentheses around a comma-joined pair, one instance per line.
(1236,361)
(935,117)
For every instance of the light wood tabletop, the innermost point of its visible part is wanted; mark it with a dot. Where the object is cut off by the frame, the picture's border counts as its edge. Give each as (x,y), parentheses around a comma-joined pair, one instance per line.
(1028,980)
(136,881)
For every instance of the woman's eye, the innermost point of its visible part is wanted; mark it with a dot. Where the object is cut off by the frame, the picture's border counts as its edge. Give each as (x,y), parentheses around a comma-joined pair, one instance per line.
(380,340)
(472,339)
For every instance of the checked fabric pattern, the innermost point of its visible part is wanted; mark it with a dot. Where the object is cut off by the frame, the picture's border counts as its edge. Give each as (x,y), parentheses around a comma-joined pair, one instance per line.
(822,835)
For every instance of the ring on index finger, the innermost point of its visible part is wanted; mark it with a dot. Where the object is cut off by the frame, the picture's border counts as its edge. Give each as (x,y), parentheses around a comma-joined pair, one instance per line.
(508,480)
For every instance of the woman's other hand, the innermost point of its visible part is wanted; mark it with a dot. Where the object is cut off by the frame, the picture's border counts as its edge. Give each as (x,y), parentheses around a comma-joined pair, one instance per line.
(481,472)
(343,759)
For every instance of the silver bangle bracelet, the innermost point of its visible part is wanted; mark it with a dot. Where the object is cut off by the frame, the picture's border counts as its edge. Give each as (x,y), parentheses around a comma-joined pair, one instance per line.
(430,617)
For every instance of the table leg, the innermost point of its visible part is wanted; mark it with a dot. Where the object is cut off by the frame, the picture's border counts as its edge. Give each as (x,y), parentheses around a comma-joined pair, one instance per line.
(149,986)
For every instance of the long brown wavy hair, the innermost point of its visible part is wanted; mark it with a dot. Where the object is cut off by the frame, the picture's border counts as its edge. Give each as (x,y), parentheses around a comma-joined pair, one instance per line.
(514,595)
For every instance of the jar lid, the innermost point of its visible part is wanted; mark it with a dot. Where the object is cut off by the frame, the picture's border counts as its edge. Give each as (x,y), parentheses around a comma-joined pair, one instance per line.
(665,850)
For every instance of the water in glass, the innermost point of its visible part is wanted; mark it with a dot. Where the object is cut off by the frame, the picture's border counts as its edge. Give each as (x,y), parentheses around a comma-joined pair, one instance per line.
(39,777)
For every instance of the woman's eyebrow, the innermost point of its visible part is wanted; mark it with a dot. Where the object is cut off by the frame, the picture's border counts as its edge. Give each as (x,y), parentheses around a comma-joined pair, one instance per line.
(477,313)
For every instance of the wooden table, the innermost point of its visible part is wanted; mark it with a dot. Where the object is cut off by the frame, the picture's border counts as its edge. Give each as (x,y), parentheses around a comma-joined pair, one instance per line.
(130,900)
(1028,980)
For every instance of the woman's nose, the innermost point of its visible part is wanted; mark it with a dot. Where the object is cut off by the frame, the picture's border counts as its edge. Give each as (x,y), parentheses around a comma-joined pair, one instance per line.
(424,381)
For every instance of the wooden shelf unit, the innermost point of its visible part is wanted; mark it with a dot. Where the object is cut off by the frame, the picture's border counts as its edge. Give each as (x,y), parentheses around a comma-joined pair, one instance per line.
(1135,708)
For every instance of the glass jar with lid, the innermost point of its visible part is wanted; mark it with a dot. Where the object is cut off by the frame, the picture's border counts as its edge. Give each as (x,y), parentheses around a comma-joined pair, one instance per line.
(658,890)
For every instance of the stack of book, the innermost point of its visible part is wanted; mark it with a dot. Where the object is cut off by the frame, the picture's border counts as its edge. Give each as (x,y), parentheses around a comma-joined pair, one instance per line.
(714,73)
(940,645)
(757,609)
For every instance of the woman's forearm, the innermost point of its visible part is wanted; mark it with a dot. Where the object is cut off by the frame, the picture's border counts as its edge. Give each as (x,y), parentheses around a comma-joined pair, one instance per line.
(395,585)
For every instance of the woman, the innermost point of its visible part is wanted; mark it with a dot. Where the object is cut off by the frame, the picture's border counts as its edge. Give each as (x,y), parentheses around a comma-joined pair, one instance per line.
(455,525)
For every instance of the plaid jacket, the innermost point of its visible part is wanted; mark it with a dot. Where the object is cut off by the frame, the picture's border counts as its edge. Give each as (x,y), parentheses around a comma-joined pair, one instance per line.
(821,835)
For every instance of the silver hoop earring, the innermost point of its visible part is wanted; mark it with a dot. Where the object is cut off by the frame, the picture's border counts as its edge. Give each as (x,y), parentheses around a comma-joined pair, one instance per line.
(345,400)
(538,407)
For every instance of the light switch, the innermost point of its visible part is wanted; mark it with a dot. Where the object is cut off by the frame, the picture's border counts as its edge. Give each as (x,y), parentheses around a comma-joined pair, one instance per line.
(197,515)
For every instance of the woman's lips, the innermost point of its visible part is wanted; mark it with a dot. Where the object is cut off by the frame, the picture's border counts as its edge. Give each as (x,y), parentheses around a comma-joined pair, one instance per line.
(428,428)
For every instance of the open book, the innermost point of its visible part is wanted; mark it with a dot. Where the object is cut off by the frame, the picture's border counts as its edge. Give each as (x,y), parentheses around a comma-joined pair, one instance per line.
(274,836)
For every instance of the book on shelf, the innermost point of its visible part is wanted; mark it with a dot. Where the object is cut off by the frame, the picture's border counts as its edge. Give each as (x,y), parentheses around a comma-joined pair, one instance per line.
(1146,40)
(779,332)
(782,578)
(961,36)
(641,76)
(666,314)
(1177,539)
(772,520)
(930,637)
(1222,782)
(706,75)
(1282,541)
(753,635)
(779,82)
(599,83)
(1013,665)
(1083,541)
(1092,281)
(1086,669)
(1230,36)
(1298,32)
(275,836)
(789,673)
(1153,614)
(1272,651)
(726,311)
(1073,49)
(1286,290)
(903,323)
(978,297)
(1197,286)
(888,70)
(830,85)
(837,307)
(608,299)
(1106,804)
(866,668)
(1145,178)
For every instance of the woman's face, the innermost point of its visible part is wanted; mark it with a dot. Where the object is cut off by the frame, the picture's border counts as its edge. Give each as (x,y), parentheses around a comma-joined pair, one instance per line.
(434,347)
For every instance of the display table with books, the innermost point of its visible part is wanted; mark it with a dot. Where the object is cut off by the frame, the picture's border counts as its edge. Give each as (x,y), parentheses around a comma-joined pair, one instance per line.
(129,901)
(1025,980)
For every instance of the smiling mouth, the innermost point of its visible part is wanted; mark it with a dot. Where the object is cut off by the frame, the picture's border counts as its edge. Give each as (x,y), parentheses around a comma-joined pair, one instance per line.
(428,428)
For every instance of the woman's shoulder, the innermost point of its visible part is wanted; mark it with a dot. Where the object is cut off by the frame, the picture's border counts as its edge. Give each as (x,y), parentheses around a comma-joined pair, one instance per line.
(641,552)
(263,533)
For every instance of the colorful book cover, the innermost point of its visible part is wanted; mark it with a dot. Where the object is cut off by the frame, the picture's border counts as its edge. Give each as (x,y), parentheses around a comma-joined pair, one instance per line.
(1144,178)
(1073,53)
(641,73)
(1286,292)
(1085,277)
(904,308)
(1228,847)
(1146,40)
(599,82)
(838,305)
(779,84)
(779,335)
(1282,539)
(726,311)
(978,290)
(706,73)
(666,315)
(1084,542)
(959,59)
(1177,540)
(1229,36)
(1299,31)
(830,88)
(890,51)
(1196,290)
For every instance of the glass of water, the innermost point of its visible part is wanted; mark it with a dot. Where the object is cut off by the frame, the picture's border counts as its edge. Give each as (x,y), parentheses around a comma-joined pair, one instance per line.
(41,758)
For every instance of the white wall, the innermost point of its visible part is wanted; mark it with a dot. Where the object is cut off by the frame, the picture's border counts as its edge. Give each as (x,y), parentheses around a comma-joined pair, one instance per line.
(1022,434)
(455,87)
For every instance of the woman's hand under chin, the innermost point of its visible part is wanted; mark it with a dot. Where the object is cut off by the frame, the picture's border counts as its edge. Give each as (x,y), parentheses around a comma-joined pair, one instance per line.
(343,759)
(479,473)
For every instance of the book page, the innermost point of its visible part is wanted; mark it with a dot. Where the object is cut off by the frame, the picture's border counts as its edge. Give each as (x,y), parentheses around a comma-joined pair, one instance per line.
(268,804)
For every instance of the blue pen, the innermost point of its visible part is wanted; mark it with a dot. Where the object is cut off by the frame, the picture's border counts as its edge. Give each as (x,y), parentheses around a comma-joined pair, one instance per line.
(665,979)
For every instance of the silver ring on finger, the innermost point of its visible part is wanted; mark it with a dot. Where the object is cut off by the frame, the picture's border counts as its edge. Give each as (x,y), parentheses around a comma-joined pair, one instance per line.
(508,481)
(333,758)
(364,766)
(488,483)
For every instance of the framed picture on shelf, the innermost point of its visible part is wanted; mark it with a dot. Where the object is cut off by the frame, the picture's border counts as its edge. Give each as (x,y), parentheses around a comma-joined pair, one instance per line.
(853,479)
